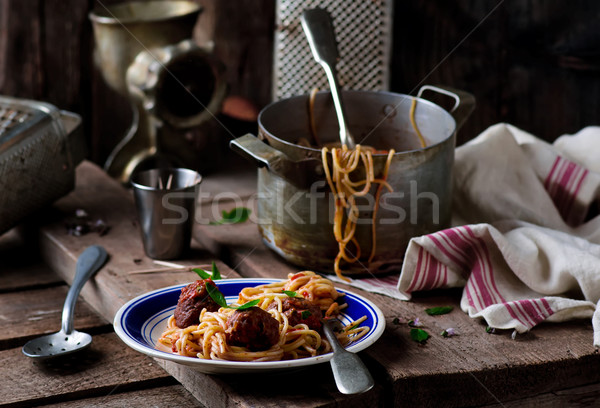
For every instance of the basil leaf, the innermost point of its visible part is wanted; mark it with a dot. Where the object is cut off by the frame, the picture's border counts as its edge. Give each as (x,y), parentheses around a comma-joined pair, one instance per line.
(216,275)
(440,310)
(216,295)
(306,314)
(202,273)
(235,216)
(246,305)
(238,214)
(290,293)
(419,335)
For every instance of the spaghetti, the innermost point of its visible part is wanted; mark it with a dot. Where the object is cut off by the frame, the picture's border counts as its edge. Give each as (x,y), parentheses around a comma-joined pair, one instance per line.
(345,164)
(208,338)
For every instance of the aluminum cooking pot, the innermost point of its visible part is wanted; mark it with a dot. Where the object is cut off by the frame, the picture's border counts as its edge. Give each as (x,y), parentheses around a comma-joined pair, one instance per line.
(295,206)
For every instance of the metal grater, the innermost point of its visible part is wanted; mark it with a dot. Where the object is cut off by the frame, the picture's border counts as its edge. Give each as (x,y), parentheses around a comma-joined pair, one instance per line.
(39,149)
(363,31)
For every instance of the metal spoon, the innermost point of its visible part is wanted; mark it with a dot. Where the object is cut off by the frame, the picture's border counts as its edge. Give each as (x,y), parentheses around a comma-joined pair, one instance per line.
(68,340)
(318,27)
(350,373)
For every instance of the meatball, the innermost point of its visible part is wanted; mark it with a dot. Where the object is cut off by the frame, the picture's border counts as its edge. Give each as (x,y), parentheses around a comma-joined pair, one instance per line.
(252,328)
(300,310)
(194,297)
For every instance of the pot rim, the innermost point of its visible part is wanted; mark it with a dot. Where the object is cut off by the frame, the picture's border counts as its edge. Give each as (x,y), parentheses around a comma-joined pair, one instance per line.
(317,150)
(109,17)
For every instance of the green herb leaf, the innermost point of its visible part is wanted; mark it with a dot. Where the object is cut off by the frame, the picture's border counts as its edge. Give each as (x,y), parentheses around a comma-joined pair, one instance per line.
(490,330)
(419,335)
(352,328)
(216,295)
(216,275)
(202,273)
(440,310)
(246,305)
(290,293)
(306,314)
(235,216)
(396,321)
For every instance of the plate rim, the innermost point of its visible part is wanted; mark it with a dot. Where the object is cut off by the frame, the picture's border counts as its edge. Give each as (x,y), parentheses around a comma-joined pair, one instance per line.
(241,366)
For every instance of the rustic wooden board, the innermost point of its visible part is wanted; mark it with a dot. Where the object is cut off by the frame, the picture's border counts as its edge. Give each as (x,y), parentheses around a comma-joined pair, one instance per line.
(310,387)
(113,285)
(107,366)
(472,368)
(168,396)
(579,397)
(30,313)
(19,259)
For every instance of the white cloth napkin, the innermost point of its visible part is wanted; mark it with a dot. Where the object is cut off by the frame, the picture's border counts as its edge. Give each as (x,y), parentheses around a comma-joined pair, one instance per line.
(522,245)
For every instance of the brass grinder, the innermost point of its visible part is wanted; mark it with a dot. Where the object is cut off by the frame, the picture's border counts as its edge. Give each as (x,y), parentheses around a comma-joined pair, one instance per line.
(145,53)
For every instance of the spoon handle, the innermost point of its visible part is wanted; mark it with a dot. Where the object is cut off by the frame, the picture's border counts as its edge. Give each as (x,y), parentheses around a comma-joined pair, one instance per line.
(90,260)
(350,373)
(318,27)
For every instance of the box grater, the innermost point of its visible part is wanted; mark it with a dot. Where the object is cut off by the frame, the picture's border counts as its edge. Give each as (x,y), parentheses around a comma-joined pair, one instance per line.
(364,34)
(39,149)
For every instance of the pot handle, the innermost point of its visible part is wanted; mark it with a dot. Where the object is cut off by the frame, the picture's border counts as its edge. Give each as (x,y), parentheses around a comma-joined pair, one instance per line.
(261,154)
(300,173)
(464,101)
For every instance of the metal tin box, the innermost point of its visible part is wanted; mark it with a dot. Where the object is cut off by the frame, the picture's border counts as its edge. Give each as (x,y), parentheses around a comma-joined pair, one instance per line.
(40,146)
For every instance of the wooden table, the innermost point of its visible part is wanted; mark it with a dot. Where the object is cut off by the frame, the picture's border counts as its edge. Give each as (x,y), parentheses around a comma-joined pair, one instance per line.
(553,365)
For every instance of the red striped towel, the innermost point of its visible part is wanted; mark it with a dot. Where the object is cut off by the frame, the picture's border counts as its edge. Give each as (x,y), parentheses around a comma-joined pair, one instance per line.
(521,240)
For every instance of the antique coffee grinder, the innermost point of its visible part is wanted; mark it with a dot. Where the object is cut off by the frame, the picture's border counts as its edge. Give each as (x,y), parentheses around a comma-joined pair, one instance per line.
(145,53)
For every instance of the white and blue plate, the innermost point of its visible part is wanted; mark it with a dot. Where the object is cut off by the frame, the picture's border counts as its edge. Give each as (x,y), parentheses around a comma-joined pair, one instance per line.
(141,321)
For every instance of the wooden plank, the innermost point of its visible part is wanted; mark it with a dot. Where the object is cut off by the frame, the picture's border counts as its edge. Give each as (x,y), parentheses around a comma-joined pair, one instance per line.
(168,396)
(19,259)
(579,397)
(28,314)
(65,61)
(113,285)
(105,367)
(309,387)
(20,49)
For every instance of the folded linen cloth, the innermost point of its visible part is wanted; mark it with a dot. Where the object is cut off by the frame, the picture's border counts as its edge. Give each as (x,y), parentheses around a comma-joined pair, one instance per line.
(523,243)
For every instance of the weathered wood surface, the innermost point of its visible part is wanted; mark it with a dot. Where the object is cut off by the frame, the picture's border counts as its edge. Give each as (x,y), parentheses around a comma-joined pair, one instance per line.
(473,368)
(24,319)
(578,397)
(108,371)
(24,260)
(106,366)
(168,396)
(113,285)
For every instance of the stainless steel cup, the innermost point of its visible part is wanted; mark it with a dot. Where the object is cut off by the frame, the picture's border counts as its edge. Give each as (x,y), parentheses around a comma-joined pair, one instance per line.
(166,202)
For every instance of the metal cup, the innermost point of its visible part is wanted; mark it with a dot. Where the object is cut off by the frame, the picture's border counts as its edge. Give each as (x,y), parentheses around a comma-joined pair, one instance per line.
(166,202)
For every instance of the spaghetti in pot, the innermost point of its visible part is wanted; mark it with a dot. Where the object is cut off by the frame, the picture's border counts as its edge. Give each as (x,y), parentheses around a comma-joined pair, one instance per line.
(346,163)
(209,338)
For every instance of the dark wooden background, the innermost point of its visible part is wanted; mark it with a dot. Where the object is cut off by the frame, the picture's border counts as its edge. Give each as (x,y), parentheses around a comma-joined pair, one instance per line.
(535,64)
